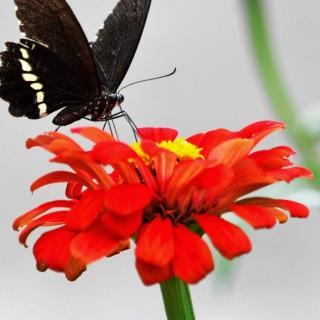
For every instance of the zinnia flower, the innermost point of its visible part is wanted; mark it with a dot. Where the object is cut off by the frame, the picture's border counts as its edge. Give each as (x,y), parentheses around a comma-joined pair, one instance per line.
(165,192)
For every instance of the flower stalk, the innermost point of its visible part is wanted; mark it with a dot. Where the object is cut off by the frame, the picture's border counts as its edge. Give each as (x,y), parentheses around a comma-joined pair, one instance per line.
(275,87)
(177,300)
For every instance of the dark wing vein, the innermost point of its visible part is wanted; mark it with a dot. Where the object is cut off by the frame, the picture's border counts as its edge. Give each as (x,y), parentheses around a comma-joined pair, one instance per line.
(118,40)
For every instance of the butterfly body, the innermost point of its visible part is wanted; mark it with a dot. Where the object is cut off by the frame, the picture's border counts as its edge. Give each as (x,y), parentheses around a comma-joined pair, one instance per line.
(99,110)
(54,67)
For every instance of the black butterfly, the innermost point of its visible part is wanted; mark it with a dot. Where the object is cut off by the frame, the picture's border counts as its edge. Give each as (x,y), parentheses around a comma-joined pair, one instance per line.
(55,67)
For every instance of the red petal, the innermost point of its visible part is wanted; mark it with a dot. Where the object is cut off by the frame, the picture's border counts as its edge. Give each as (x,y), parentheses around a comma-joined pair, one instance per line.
(247,178)
(146,174)
(127,199)
(84,167)
(51,219)
(151,148)
(74,269)
(184,173)
(152,274)
(192,196)
(193,259)
(257,216)
(93,244)
(56,177)
(60,146)
(231,151)
(229,239)
(86,210)
(52,249)
(62,137)
(211,183)
(127,172)
(111,152)
(155,243)
(291,174)
(210,140)
(218,176)
(273,159)
(94,134)
(296,209)
(258,130)
(164,165)
(30,215)
(39,141)
(196,139)
(280,216)
(122,245)
(122,226)
(74,191)
(54,142)
(157,134)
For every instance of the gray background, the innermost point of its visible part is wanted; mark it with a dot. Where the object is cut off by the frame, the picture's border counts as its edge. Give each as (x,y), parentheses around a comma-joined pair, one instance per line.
(216,86)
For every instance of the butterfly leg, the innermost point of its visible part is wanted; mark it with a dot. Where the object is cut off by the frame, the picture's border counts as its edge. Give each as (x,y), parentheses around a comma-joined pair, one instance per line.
(131,123)
(124,114)
(112,127)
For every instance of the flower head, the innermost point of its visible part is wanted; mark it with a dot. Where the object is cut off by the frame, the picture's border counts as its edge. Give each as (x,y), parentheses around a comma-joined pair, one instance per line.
(165,192)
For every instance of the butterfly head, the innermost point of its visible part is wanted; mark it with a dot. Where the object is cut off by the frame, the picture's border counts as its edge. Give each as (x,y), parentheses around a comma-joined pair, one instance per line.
(114,98)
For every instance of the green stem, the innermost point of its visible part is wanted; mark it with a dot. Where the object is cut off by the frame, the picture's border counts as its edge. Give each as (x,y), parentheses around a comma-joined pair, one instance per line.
(275,88)
(177,300)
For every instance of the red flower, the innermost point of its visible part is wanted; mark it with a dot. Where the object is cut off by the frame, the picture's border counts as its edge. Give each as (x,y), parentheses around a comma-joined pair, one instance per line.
(167,192)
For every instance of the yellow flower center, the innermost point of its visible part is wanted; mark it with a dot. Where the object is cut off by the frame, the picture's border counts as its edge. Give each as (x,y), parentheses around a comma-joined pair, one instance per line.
(137,148)
(181,147)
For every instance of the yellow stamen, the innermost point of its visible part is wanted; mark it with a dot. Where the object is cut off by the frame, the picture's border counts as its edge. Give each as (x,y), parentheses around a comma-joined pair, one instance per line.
(181,147)
(137,148)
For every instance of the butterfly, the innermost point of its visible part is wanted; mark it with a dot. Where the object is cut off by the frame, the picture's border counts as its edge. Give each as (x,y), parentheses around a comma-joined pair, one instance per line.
(54,67)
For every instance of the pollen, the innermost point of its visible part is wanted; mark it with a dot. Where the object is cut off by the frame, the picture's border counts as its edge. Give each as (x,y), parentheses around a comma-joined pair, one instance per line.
(137,148)
(182,148)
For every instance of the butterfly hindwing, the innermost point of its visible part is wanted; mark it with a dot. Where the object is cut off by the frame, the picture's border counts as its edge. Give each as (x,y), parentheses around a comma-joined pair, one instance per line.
(52,23)
(118,40)
(36,82)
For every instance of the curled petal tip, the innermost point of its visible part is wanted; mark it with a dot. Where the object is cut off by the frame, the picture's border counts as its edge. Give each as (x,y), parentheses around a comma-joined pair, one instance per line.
(74,269)
(16,225)
(308,174)
(273,123)
(41,266)
(30,143)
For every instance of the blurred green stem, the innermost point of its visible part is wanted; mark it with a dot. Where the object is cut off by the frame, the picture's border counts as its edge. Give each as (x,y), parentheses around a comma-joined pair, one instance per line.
(275,88)
(177,300)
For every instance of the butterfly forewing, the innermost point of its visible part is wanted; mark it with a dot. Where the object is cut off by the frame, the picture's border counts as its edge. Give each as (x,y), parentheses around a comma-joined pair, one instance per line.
(52,23)
(118,40)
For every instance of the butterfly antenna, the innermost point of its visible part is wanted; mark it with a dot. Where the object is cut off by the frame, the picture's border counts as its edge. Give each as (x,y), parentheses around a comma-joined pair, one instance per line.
(150,79)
